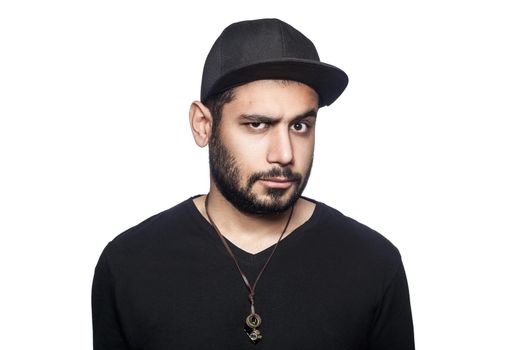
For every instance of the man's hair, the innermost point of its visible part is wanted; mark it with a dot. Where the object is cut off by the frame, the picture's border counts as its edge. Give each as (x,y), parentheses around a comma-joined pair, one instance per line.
(215,104)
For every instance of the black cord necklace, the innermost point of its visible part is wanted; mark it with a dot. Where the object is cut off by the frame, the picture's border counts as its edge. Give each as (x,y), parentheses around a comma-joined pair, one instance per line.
(253,320)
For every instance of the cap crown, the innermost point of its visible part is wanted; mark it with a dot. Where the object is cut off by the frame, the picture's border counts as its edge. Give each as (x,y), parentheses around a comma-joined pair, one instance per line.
(260,49)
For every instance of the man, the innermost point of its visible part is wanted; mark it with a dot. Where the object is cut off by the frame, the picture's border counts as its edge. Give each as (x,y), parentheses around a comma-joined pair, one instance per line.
(253,263)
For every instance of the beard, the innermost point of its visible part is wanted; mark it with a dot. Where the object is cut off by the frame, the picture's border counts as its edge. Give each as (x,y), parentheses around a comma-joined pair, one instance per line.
(226,175)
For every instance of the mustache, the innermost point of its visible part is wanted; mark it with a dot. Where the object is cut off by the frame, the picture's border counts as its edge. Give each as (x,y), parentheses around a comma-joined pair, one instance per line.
(285,173)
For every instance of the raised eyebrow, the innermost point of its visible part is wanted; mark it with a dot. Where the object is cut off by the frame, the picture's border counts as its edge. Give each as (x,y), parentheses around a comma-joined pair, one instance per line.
(260,118)
(257,118)
(312,113)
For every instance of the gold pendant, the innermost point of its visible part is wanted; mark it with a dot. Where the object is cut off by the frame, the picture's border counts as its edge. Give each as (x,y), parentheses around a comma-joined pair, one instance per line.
(253,321)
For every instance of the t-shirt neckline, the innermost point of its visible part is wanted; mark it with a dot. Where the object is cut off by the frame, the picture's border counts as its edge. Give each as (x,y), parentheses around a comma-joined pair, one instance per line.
(241,254)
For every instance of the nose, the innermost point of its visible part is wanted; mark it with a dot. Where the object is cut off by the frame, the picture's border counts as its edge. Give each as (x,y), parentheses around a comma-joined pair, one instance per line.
(280,148)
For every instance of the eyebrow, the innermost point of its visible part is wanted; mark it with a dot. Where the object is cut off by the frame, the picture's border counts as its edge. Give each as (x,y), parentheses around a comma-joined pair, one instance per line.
(261,118)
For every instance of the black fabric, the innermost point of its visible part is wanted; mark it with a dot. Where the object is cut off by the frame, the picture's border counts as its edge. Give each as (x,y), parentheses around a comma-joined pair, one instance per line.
(268,49)
(168,283)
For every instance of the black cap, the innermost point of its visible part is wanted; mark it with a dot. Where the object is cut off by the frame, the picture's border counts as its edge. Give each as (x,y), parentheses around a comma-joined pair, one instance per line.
(268,49)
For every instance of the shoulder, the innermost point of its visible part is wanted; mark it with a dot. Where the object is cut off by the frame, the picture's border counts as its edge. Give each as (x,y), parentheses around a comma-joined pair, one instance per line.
(346,235)
(154,233)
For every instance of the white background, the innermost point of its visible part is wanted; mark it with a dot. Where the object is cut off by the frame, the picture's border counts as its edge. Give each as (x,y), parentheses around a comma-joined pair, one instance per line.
(426,146)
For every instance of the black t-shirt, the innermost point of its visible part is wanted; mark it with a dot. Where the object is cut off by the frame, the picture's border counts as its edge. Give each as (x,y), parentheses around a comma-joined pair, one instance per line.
(168,283)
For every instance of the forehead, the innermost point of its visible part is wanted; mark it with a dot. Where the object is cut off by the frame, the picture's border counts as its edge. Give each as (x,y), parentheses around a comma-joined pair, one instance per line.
(277,98)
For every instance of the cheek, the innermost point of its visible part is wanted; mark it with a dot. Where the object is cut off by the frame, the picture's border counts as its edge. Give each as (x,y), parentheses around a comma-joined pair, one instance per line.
(248,153)
(303,153)
(252,158)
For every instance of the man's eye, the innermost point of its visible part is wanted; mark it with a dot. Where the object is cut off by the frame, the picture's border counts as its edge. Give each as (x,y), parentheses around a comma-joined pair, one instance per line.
(300,127)
(258,125)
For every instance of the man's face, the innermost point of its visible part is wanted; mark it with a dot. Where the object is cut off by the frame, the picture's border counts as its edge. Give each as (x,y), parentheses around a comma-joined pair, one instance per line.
(262,152)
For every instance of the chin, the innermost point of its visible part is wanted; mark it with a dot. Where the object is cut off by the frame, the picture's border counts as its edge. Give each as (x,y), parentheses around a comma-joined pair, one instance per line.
(276,200)
(276,195)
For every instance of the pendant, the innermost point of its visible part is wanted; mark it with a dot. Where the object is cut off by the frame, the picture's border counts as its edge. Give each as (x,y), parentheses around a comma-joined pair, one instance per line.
(253,321)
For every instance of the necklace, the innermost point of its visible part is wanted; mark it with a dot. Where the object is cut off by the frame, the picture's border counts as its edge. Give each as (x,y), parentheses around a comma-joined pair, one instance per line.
(253,320)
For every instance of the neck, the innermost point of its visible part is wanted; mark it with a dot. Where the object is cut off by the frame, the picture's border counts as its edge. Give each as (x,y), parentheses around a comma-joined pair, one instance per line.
(251,233)
(232,221)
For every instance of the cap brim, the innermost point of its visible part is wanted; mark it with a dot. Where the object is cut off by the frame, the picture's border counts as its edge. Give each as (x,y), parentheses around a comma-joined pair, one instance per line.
(328,81)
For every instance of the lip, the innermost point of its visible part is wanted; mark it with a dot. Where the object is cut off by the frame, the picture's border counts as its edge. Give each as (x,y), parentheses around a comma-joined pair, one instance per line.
(277,182)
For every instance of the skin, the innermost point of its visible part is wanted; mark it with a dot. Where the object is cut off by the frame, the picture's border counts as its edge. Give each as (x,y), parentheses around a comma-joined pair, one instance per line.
(269,124)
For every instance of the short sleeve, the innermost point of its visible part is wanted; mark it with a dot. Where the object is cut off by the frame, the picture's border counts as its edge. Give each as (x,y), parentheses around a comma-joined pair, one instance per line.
(393,327)
(107,333)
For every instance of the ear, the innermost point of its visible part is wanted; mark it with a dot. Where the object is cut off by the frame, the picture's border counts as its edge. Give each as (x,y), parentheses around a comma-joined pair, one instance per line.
(201,123)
